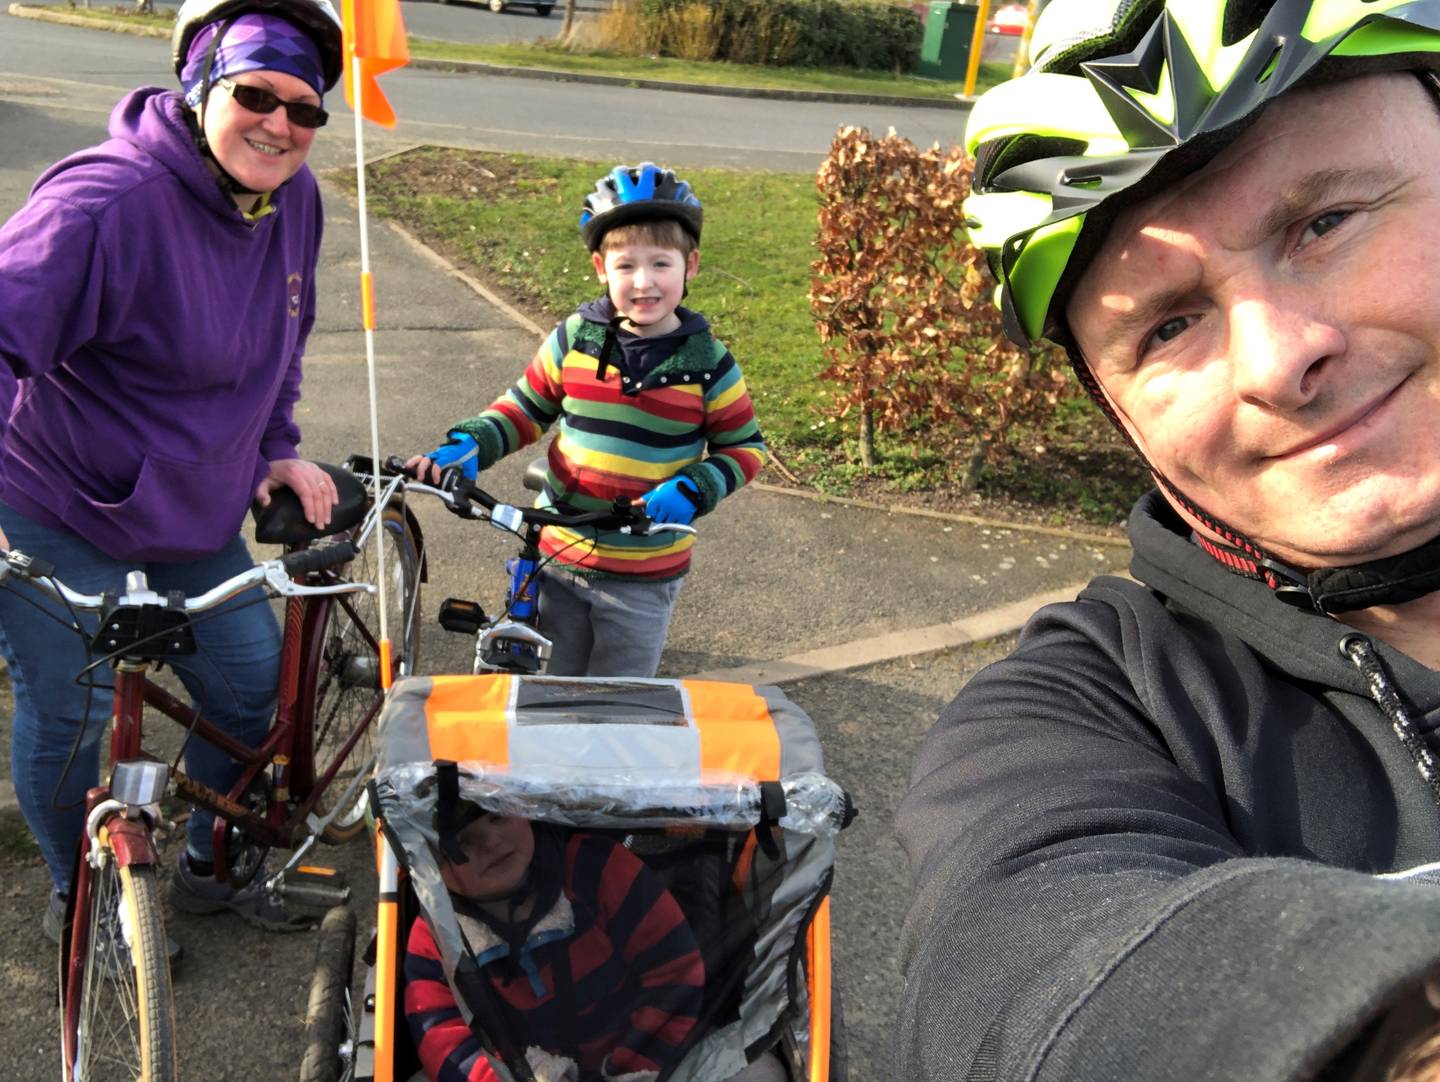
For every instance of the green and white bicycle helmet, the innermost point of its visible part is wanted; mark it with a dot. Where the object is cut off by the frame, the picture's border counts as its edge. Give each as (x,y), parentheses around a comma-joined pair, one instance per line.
(1126,95)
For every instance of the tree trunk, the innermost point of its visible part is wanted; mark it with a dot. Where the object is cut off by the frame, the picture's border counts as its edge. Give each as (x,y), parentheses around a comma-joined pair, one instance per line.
(867,438)
(144,7)
(569,24)
(970,479)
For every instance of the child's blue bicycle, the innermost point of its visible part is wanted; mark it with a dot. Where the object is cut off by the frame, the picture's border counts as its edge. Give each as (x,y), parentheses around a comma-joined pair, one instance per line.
(511,641)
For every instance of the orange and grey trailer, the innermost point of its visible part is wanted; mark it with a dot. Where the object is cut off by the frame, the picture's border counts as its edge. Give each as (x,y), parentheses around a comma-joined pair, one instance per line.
(718,788)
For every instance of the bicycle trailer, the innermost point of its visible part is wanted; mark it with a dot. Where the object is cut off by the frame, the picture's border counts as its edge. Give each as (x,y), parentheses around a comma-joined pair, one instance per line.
(714,792)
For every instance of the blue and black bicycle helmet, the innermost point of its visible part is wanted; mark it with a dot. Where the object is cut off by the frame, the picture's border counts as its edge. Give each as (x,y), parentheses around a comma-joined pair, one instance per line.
(638,193)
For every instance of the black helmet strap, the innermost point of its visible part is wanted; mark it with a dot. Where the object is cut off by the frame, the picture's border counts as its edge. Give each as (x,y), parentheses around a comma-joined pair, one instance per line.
(228,183)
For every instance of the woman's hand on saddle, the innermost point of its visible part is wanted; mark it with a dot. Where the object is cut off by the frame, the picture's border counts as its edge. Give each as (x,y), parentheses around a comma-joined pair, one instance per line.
(312,484)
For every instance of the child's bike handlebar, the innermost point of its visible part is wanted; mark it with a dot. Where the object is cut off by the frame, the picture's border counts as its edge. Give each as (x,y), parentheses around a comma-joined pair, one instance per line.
(468,500)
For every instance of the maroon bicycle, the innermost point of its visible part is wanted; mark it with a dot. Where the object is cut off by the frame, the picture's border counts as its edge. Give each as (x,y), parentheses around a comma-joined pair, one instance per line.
(305,781)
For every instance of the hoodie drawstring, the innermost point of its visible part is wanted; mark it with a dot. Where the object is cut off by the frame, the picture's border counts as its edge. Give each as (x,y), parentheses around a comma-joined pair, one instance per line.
(1362,655)
(612,332)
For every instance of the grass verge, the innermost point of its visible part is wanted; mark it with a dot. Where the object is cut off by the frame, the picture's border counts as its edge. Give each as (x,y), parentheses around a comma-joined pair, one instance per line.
(510,221)
(164,19)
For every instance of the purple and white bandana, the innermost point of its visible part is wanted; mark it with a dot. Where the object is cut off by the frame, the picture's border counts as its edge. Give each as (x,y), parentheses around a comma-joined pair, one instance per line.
(256,41)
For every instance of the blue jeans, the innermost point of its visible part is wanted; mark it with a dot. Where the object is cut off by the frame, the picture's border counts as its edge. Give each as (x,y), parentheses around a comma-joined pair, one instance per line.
(604,627)
(231,679)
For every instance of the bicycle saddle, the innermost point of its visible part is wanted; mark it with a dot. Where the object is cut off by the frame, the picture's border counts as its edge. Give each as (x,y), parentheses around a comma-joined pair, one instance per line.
(284,523)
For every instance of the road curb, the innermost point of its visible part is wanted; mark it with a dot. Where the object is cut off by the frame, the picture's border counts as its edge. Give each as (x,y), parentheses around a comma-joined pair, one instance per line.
(115,26)
(897,646)
(430,255)
(838,97)
(475,67)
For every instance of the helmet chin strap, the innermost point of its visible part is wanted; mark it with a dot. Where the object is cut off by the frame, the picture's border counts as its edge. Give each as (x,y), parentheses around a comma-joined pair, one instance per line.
(1392,580)
(229,184)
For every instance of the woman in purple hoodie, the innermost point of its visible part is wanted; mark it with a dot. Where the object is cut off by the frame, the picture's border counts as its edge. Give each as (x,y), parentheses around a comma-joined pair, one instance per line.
(156,292)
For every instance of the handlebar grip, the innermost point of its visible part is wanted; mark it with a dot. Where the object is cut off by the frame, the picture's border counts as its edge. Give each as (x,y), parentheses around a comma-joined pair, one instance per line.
(29,567)
(317,559)
(394,464)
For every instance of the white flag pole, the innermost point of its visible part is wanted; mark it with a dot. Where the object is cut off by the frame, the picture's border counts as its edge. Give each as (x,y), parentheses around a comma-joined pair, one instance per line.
(367,307)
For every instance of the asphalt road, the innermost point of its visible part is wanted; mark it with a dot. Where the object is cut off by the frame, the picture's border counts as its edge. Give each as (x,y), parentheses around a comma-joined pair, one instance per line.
(92,69)
(774,575)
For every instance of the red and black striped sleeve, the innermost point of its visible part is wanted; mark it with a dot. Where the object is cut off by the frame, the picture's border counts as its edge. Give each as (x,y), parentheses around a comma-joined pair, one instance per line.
(650,932)
(448,1050)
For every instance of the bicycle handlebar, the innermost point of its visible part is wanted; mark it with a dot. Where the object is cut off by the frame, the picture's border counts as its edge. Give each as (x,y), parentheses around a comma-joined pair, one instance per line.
(276,574)
(462,496)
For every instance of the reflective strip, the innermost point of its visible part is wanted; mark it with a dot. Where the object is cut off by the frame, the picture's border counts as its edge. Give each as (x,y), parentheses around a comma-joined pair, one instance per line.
(387,674)
(468,718)
(387,958)
(817,957)
(737,734)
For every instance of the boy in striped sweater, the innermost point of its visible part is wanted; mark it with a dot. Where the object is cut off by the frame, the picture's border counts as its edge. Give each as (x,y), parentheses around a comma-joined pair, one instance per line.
(593,973)
(650,407)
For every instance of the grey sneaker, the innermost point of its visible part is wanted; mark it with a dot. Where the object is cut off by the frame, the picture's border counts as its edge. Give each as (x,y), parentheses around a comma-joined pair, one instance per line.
(55,916)
(200,894)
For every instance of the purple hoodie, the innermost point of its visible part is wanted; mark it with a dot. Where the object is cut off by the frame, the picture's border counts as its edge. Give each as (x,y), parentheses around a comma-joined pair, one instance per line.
(156,338)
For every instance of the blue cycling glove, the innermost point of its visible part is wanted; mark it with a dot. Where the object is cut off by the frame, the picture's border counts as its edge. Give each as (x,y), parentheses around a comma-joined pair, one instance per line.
(674,503)
(459,449)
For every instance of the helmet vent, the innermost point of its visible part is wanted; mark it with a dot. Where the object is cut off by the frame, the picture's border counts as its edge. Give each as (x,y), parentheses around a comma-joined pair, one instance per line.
(1243,18)
(1077,32)
(993,158)
(1269,68)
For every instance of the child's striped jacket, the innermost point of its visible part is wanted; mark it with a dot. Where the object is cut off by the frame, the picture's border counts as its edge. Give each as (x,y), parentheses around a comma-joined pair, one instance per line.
(655,408)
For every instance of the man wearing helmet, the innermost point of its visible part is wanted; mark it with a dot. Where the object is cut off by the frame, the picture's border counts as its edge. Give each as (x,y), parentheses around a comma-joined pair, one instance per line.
(1181,831)
(156,293)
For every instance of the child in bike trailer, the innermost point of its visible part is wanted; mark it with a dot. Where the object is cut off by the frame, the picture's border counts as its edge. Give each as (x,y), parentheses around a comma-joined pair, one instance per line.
(156,295)
(541,944)
(651,407)
(594,970)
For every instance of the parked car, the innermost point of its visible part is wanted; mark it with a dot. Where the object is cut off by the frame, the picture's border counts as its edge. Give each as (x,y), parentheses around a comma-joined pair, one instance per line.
(1008,19)
(541,7)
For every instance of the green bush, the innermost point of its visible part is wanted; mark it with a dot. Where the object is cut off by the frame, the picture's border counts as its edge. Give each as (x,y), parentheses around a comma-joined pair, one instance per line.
(863,34)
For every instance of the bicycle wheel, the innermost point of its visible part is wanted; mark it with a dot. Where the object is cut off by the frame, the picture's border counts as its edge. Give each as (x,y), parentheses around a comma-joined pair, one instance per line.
(119,1012)
(345,671)
(329,1017)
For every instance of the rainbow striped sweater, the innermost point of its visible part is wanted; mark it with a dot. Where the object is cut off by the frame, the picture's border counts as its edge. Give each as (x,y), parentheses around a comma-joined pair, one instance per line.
(655,408)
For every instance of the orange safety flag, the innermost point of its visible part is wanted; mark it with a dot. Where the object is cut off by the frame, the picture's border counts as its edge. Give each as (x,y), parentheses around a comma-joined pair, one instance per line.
(374,36)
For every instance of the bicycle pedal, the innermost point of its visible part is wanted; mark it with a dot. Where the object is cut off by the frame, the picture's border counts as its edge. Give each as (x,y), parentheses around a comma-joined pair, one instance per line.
(311,886)
(457,614)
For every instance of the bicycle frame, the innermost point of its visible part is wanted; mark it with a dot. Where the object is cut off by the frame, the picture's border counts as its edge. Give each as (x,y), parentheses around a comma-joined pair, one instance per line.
(287,749)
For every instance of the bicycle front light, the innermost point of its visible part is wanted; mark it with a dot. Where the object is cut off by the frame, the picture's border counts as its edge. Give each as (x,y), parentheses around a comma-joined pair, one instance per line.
(139,781)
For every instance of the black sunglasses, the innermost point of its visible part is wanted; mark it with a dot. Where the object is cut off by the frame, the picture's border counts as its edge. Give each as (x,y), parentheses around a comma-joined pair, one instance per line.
(259,100)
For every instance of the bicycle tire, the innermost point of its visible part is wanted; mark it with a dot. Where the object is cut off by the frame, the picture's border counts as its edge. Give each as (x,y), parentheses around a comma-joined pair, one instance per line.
(329,1016)
(345,671)
(122,1003)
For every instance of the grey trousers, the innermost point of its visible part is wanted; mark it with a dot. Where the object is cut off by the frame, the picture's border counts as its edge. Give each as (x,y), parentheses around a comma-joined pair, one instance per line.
(604,627)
